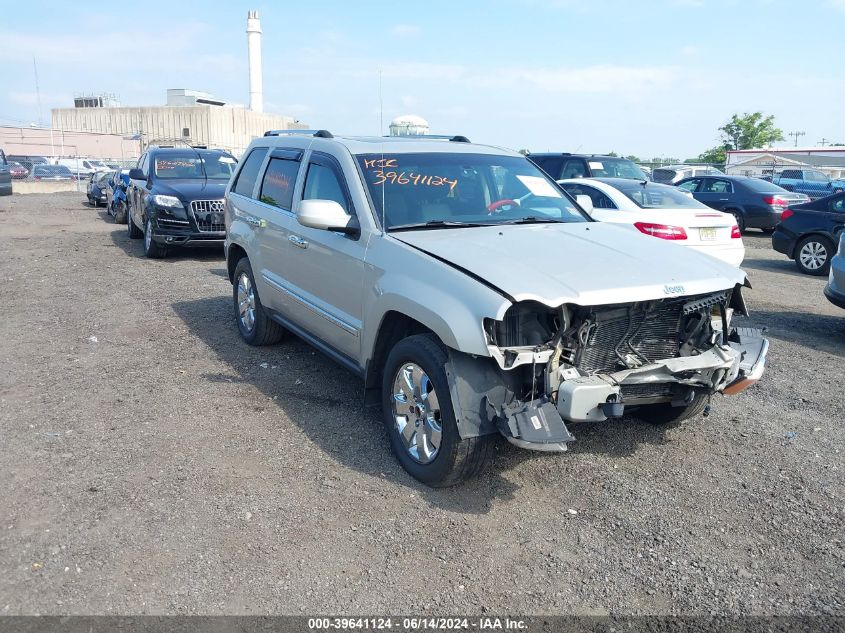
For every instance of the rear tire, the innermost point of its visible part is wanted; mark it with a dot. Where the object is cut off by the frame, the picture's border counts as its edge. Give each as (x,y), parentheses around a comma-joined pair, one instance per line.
(410,403)
(665,413)
(740,220)
(813,255)
(256,327)
(119,211)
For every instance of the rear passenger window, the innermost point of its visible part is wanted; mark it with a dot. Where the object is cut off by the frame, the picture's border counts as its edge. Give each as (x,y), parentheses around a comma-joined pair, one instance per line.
(717,186)
(279,179)
(245,184)
(321,183)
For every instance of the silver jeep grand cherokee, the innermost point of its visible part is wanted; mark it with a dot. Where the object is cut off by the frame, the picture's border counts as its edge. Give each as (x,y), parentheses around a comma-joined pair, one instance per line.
(473,296)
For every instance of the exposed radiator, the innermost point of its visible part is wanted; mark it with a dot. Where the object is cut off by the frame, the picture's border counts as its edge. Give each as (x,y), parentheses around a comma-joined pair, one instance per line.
(648,333)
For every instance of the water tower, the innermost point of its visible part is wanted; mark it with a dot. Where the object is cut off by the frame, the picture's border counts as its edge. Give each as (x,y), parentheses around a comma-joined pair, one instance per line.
(408,125)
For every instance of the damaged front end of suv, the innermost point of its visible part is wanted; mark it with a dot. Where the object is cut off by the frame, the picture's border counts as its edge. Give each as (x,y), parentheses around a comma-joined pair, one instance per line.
(660,360)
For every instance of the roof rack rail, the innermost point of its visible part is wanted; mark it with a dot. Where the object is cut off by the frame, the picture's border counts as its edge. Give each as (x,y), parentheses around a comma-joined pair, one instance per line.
(318,133)
(455,138)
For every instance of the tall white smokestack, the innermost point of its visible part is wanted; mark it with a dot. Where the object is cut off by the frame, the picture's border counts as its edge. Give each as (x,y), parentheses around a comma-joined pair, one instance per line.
(253,37)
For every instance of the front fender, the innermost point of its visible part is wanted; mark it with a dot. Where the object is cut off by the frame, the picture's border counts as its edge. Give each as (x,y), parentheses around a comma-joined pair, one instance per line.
(443,299)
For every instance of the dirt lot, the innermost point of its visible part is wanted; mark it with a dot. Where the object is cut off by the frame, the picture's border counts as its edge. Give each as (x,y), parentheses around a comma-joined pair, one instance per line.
(153,463)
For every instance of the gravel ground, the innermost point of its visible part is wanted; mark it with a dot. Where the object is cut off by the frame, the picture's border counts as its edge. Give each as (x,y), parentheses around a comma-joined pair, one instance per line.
(151,462)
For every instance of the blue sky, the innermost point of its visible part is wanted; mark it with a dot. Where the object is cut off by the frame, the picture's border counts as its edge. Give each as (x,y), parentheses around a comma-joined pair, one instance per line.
(652,78)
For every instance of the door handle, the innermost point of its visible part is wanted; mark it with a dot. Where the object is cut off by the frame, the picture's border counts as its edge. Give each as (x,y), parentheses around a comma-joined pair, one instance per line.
(724,199)
(298,241)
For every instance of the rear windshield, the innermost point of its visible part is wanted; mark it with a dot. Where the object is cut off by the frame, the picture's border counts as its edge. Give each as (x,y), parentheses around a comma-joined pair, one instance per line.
(663,175)
(762,186)
(191,166)
(655,196)
(456,188)
(53,170)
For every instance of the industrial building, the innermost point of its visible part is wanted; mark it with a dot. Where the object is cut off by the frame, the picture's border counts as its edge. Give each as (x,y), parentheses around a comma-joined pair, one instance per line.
(188,117)
(770,161)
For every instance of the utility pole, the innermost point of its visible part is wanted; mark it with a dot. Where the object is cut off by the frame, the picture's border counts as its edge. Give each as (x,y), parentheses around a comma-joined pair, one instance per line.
(823,142)
(37,91)
(796,136)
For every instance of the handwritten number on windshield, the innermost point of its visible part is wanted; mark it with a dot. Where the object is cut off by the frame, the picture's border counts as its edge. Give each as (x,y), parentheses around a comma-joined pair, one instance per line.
(410,178)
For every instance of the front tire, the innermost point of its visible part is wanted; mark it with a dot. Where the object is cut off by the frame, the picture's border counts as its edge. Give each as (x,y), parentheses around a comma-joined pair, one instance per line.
(254,324)
(812,255)
(151,248)
(665,413)
(419,416)
(133,231)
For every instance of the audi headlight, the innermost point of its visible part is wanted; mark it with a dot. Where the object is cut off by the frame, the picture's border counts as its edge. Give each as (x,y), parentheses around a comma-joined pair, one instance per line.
(168,202)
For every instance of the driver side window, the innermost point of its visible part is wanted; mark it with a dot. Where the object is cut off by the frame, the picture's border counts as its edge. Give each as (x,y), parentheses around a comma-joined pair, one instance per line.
(689,185)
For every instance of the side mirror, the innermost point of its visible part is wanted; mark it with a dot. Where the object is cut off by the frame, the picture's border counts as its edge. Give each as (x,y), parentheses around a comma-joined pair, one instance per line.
(136,174)
(585,202)
(326,215)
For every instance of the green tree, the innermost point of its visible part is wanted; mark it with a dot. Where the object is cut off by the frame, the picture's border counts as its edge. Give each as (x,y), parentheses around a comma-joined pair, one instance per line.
(635,159)
(716,155)
(750,131)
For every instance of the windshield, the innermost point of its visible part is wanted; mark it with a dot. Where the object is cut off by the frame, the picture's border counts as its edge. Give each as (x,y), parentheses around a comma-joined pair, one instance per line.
(211,165)
(451,189)
(654,196)
(604,167)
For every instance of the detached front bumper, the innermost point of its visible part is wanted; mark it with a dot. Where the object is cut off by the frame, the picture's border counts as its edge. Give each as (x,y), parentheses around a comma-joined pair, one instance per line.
(728,369)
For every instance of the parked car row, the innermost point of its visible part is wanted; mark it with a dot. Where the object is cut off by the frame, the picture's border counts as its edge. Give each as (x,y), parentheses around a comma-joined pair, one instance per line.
(24,167)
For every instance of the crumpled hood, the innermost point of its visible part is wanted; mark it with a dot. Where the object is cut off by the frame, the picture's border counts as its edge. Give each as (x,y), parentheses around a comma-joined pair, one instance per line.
(588,263)
(188,190)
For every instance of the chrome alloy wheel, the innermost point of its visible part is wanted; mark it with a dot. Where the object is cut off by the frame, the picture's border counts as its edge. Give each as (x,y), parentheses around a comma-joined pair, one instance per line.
(813,255)
(246,302)
(416,411)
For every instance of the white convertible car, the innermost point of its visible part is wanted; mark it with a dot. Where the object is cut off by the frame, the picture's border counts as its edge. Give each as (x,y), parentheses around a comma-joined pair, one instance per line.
(662,211)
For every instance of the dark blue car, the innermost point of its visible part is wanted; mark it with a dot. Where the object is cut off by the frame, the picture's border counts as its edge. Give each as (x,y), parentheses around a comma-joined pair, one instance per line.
(809,233)
(754,202)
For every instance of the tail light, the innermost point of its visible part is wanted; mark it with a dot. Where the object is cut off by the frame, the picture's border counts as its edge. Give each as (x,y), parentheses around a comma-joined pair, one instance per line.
(775,201)
(663,231)
(786,214)
(736,234)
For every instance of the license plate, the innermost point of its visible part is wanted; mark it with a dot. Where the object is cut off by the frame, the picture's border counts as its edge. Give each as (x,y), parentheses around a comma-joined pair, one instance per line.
(707,234)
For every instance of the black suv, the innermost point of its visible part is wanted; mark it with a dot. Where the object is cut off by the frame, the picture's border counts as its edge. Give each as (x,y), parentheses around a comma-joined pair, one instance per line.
(564,165)
(176,198)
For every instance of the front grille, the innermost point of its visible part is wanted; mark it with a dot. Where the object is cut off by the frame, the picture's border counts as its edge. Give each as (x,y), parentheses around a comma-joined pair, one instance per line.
(208,215)
(646,332)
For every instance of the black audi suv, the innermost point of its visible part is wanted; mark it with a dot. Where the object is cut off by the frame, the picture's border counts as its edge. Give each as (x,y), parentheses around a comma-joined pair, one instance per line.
(176,198)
